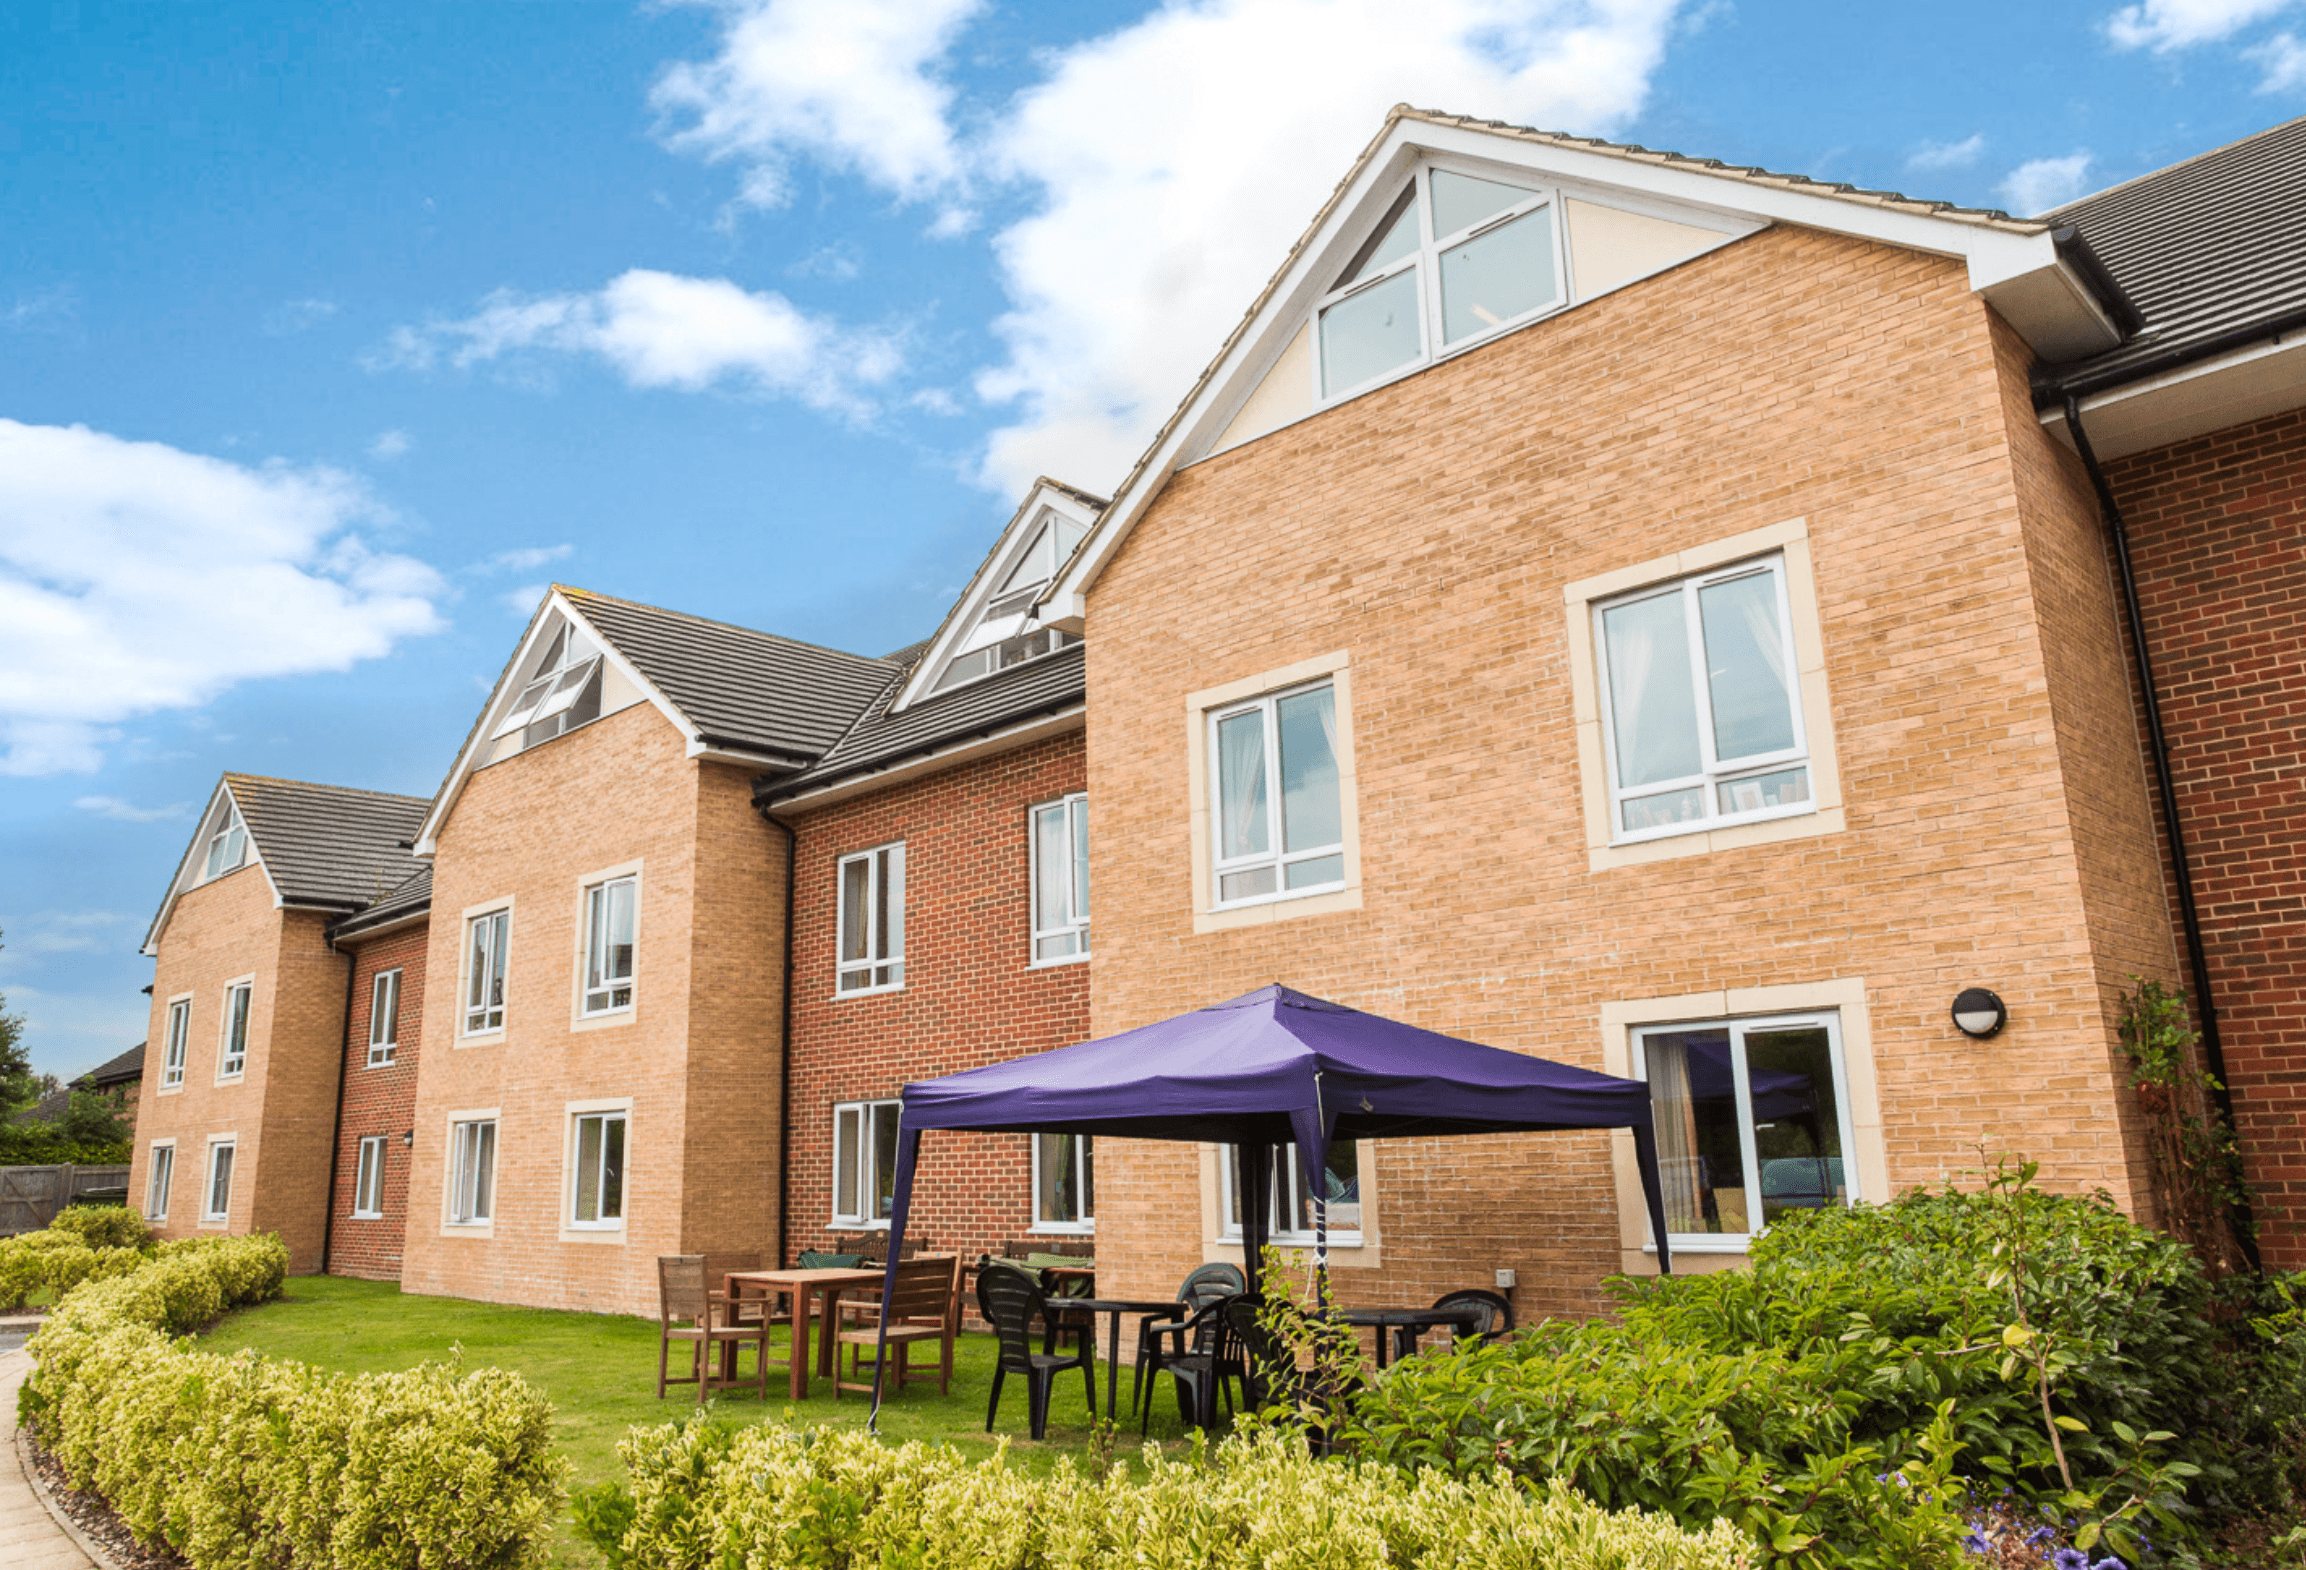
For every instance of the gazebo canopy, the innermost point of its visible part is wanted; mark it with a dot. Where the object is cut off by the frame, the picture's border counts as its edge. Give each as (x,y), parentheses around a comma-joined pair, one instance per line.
(1275,1067)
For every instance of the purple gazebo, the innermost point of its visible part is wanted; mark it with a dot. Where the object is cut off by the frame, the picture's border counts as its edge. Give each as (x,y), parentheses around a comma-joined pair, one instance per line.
(1273,1067)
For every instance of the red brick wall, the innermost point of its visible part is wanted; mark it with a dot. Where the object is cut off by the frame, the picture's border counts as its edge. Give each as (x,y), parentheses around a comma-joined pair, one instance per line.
(377,1101)
(970,995)
(2218,537)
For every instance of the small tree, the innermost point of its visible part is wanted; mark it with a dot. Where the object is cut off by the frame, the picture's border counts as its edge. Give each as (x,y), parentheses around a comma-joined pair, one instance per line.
(2197,1160)
(19,1086)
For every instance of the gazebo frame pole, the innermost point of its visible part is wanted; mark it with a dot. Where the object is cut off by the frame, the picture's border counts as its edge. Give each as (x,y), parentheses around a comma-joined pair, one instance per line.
(900,1205)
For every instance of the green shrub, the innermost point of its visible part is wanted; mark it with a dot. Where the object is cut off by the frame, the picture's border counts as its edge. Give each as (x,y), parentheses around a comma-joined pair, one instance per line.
(237,1463)
(103,1226)
(767,1499)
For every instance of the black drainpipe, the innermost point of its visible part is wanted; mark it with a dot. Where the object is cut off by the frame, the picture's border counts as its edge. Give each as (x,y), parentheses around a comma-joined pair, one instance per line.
(336,1128)
(2166,787)
(785,1068)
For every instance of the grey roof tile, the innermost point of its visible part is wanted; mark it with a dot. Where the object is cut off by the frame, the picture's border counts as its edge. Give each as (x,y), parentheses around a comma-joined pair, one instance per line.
(412,898)
(329,844)
(879,739)
(750,690)
(117,1071)
(2204,248)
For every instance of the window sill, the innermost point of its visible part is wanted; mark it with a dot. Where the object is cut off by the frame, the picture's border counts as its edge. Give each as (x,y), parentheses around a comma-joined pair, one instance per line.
(1281,907)
(1060,962)
(1349,1251)
(482,1038)
(176,1089)
(391,1062)
(868,992)
(607,1019)
(232,1079)
(217,1223)
(851,1224)
(479,1230)
(592,1232)
(366,1215)
(1063,1228)
(1705,841)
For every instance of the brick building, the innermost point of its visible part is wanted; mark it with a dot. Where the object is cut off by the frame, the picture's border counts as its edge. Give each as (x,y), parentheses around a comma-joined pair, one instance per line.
(1648,614)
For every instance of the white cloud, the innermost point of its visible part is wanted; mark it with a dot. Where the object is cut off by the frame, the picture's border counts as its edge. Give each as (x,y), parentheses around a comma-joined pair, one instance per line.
(137,577)
(2165,25)
(1931,157)
(665,330)
(47,311)
(128,812)
(294,316)
(522,602)
(389,445)
(2283,59)
(2043,183)
(65,932)
(849,83)
(527,558)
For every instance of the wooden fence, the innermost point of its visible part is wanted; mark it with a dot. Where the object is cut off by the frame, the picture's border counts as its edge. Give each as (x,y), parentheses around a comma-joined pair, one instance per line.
(31,1196)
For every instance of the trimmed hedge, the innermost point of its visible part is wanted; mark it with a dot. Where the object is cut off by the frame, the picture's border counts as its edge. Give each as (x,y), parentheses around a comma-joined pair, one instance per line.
(763,1498)
(245,1463)
(83,1243)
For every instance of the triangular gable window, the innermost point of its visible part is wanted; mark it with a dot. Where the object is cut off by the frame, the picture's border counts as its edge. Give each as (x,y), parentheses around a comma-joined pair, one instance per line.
(1001,639)
(227,845)
(562,693)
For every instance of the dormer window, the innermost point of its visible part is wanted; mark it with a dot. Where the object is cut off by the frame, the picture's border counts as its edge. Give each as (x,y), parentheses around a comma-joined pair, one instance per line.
(227,847)
(1455,259)
(1002,637)
(564,692)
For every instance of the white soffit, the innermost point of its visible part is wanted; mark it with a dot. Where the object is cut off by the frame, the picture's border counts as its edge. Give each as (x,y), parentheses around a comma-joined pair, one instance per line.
(187,871)
(2192,400)
(2013,263)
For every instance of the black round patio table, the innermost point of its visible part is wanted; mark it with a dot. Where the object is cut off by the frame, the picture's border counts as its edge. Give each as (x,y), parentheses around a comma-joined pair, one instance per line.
(1118,1308)
(1416,1321)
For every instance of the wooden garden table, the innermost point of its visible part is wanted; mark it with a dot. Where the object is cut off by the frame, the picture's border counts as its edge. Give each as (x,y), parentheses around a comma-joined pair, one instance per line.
(826,1286)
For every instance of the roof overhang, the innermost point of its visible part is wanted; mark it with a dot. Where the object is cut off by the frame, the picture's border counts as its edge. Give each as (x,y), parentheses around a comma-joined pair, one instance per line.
(184,882)
(1000,739)
(2048,293)
(2244,384)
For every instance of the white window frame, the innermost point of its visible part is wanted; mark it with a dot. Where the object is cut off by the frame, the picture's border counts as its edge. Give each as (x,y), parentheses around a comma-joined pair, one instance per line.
(861,1149)
(620,1114)
(385,1013)
(226,1146)
(1086,1223)
(1739,1027)
(1275,856)
(231,1066)
(232,833)
(1426,258)
(176,1042)
(1288,1179)
(464,1204)
(876,895)
(1074,930)
(499,917)
(1713,773)
(368,1179)
(597,892)
(159,1178)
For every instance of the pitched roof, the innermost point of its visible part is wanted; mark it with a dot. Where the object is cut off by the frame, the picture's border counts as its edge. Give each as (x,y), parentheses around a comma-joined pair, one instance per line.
(413,898)
(740,688)
(48,1109)
(328,844)
(880,739)
(121,1070)
(2207,249)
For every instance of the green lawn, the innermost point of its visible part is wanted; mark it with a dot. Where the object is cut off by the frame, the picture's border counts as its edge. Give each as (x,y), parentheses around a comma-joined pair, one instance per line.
(599,1371)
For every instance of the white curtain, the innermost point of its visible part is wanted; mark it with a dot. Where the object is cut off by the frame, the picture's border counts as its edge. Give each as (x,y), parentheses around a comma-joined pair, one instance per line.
(1241,776)
(1680,1170)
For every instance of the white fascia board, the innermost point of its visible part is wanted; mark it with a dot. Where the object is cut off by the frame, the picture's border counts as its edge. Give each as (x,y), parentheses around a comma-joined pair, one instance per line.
(962,618)
(2020,265)
(1023,733)
(184,879)
(2247,384)
(483,738)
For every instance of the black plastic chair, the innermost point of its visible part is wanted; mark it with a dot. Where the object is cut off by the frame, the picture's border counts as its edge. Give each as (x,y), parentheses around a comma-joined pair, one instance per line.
(1270,1376)
(1497,1320)
(1207,1284)
(1011,1299)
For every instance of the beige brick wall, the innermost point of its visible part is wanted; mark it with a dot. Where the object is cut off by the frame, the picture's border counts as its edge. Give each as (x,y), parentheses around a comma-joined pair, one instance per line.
(1427,530)
(283,1106)
(698,1057)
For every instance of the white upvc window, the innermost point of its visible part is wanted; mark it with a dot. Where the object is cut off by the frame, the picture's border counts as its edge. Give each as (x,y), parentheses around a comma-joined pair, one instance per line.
(598,1192)
(1456,259)
(1702,714)
(1064,1183)
(1060,856)
(232,1048)
(611,910)
(160,1173)
(564,692)
(872,920)
(216,1203)
(1280,819)
(1003,637)
(179,1043)
(368,1180)
(383,1018)
(864,1162)
(227,847)
(486,939)
(1292,1218)
(1752,1119)
(472,1172)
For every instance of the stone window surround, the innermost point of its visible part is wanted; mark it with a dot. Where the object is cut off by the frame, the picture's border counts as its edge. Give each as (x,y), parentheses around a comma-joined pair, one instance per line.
(208,1179)
(591,1231)
(1790,540)
(168,1024)
(1338,668)
(1366,1253)
(359,1169)
(606,1019)
(448,1175)
(151,1160)
(481,1038)
(224,1030)
(1845,996)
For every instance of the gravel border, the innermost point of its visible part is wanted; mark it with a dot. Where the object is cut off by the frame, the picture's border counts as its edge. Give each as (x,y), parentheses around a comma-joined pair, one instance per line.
(87,1517)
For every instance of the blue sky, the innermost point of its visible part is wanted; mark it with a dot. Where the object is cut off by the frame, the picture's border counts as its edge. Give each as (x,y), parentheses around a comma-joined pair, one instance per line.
(329,333)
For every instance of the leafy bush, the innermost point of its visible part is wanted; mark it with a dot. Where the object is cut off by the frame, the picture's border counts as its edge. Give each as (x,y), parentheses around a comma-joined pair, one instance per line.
(60,1258)
(1886,1340)
(94,1131)
(765,1498)
(241,1462)
(103,1226)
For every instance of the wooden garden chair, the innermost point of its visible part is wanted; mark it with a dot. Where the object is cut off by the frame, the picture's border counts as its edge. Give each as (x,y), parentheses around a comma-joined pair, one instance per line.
(689,1310)
(925,1305)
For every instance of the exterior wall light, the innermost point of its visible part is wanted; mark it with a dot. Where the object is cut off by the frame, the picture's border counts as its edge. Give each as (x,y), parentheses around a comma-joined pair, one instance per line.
(1979,1013)
(408,1140)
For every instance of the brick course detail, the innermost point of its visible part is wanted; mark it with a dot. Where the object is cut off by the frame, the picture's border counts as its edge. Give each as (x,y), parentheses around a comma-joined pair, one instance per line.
(379,1101)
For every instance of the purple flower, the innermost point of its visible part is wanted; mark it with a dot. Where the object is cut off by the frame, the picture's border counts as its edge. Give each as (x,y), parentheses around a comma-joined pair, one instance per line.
(2069,1559)
(2109,1563)
(1976,1543)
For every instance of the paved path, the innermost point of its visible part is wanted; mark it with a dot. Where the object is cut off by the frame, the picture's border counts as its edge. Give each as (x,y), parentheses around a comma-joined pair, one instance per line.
(30,1539)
